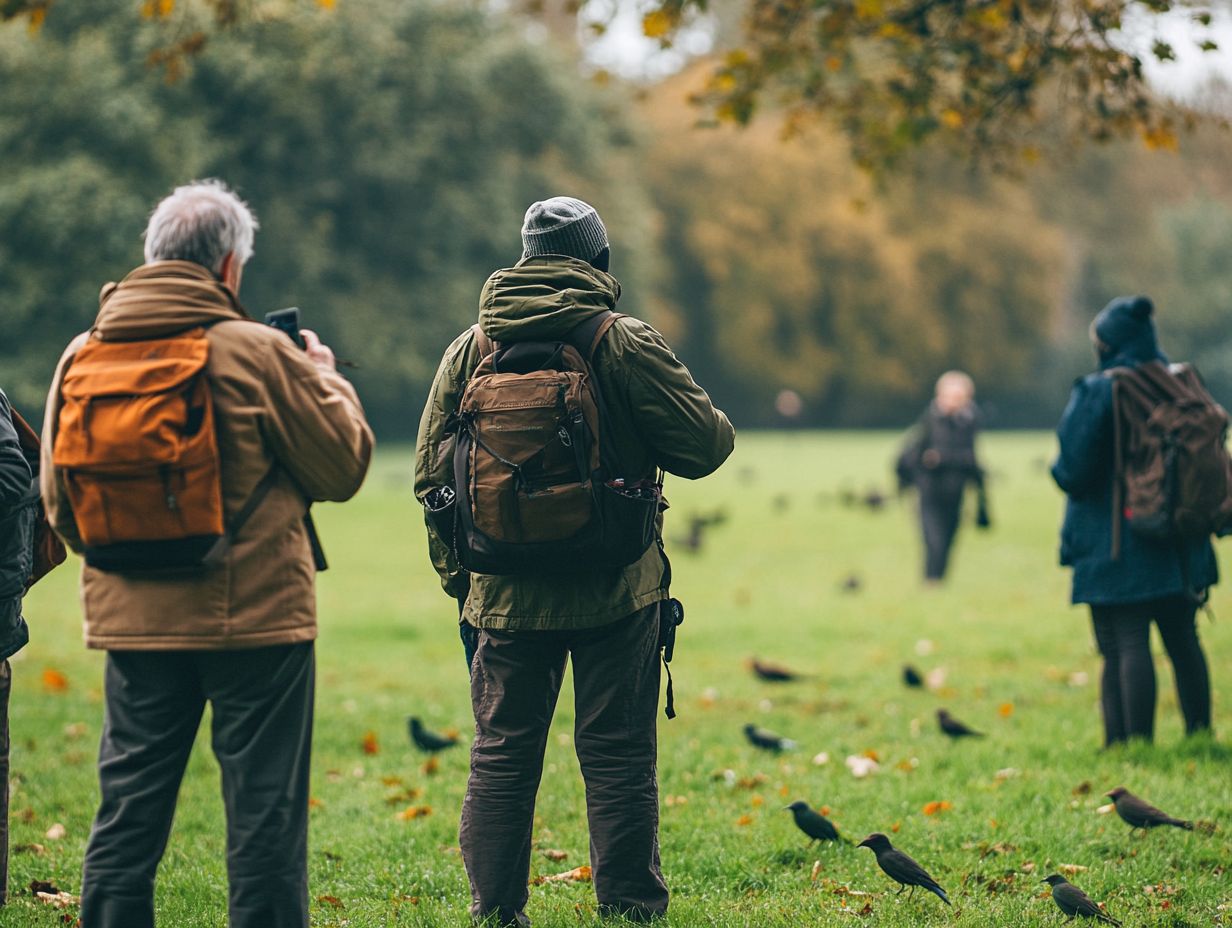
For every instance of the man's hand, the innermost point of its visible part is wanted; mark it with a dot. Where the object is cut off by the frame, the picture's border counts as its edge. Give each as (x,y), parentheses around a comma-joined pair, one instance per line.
(318,351)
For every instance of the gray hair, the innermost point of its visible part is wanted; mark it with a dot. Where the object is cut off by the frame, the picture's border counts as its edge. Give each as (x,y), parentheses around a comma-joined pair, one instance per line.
(201,222)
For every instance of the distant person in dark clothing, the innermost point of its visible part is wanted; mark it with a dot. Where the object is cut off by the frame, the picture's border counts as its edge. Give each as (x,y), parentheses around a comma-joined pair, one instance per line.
(939,460)
(1159,581)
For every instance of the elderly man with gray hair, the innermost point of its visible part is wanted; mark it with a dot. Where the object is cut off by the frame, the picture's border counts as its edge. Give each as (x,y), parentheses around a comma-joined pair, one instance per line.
(182,446)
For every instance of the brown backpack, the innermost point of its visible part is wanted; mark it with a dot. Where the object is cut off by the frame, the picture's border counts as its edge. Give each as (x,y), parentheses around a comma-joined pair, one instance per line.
(138,453)
(1173,472)
(537,486)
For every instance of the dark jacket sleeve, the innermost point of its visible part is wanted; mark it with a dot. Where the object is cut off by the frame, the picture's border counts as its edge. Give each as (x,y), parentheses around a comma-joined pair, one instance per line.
(15,475)
(434,449)
(689,436)
(1085,436)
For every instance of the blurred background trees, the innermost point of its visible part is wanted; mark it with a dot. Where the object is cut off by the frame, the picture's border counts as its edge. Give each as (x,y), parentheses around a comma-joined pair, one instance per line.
(390,147)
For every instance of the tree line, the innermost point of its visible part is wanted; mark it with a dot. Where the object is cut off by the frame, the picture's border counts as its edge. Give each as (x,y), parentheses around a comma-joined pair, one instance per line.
(390,148)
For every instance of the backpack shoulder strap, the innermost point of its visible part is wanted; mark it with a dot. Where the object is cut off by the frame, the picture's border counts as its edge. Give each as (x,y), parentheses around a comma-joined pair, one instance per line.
(485,345)
(585,336)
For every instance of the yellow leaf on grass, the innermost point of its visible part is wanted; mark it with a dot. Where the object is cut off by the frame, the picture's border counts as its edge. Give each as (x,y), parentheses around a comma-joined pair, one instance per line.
(54,681)
(932,808)
(369,743)
(744,820)
(1005,710)
(576,875)
(413,812)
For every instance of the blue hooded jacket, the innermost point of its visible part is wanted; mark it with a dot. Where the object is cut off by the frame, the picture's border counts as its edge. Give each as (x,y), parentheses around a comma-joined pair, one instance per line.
(1146,569)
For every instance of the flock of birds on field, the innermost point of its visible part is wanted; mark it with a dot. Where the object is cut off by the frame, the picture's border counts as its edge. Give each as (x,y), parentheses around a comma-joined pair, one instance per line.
(901,867)
(896,864)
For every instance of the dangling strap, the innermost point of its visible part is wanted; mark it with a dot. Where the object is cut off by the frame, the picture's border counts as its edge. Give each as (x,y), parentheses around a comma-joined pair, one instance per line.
(1118,468)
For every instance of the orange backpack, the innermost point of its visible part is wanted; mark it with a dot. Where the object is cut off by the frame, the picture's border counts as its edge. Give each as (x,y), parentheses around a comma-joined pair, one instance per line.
(137,448)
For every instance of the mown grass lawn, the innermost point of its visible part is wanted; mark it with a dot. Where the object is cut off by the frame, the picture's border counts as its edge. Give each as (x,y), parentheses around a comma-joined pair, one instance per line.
(1018,661)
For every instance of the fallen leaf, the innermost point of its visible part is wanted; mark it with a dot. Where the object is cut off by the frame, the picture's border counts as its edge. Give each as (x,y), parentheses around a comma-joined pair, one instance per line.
(824,810)
(1005,710)
(35,849)
(54,681)
(315,803)
(1105,809)
(744,820)
(431,766)
(576,875)
(369,744)
(331,901)
(936,806)
(555,855)
(758,801)
(895,827)
(75,730)
(414,812)
(816,871)
(1071,869)
(56,832)
(1082,788)
(1005,773)
(821,759)
(392,781)
(872,755)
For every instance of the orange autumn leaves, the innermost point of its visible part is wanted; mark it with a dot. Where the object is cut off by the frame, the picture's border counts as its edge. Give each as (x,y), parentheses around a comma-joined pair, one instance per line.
(54,681)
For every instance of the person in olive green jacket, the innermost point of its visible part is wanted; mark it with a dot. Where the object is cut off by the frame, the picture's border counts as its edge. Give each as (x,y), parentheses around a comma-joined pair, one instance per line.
(607,621)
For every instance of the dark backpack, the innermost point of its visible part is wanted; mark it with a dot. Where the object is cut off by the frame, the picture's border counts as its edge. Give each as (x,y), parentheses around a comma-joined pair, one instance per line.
(1173,472)
(537,486)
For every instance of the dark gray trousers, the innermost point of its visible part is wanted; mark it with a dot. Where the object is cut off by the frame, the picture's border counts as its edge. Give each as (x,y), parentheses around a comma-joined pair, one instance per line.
(515,681)
(1127,684)
(941,499)
(262,702)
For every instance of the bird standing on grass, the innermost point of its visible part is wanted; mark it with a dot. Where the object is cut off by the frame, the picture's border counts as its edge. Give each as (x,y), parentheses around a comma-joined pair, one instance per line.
(912,678)
(767,740)
(773,673)
(900,868)
(1073,901)
(426,740)
(812,822)
(1138,813)
(954,728)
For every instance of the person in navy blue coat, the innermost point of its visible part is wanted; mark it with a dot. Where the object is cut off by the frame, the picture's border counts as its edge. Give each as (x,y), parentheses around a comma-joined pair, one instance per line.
(1150,581)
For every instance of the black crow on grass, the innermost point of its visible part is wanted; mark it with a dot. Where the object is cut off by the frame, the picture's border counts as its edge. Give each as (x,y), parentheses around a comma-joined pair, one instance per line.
(912,678)
(1074,902)
(812,822)
(954,728)
(1138,813)
(900,868)
(426,740)
(773,673)
(767,740)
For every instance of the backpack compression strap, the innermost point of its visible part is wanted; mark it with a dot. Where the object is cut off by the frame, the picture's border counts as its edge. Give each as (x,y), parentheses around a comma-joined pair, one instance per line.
(585,336)
(485,345)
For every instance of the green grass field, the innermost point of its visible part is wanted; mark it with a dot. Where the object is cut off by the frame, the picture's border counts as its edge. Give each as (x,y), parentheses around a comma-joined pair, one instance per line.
(1019,663)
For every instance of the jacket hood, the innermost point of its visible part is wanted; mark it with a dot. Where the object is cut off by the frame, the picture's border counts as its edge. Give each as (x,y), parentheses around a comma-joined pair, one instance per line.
(1125,331)
(544,297)
(161,299)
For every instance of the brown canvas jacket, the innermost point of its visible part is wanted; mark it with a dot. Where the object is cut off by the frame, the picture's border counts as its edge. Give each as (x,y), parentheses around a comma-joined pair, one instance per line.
(274,407)
(660,417)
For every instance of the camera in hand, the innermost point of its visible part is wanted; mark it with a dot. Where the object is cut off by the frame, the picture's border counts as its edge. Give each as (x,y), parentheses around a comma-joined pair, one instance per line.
(287,320)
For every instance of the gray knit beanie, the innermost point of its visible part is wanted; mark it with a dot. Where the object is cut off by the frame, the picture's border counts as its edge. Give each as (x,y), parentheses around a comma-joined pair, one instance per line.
(563,226)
